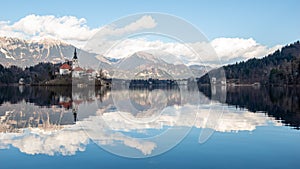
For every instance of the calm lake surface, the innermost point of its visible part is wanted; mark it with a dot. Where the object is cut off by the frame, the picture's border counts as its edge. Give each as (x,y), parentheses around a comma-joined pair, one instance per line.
(218,127)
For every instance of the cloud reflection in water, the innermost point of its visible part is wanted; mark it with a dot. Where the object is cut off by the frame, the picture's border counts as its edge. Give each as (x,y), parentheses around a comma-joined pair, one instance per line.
(69,138)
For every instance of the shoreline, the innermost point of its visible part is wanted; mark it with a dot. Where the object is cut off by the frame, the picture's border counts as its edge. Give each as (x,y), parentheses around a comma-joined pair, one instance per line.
(109,84)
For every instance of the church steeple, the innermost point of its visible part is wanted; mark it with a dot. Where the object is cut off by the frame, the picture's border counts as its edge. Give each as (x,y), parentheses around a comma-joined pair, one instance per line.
(75,60)
(75,54)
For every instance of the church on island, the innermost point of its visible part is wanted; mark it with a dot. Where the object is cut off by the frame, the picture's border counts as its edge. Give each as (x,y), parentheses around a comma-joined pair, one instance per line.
(75,69)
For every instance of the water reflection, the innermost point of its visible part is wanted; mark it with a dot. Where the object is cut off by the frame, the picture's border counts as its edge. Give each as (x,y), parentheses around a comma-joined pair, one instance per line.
(283,103)
(50,120)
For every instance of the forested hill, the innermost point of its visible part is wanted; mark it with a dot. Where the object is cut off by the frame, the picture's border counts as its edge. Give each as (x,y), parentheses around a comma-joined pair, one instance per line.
(280,67)
(33,74)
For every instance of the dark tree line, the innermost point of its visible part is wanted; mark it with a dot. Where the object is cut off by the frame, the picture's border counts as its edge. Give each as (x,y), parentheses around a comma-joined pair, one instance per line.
(280,67)
(33,74)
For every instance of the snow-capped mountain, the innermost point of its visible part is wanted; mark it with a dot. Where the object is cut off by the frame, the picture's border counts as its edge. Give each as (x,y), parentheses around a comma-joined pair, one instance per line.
(22,53)
(143,65)
(139,60)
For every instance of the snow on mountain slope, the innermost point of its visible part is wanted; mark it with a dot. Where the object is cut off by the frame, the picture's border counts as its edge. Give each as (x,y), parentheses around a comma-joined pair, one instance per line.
(144,65)
(6,54)
(23,53)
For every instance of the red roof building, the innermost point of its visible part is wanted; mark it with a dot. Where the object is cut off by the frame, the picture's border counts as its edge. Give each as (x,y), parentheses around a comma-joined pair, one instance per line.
(78,69)
(90,71)
(65,66)
(65,69)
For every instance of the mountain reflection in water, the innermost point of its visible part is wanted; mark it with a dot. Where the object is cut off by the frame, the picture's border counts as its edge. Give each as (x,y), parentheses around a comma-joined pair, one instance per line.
(50,120)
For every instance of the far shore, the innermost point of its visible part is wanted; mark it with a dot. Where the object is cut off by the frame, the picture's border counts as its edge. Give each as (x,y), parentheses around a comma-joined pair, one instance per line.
(109,84)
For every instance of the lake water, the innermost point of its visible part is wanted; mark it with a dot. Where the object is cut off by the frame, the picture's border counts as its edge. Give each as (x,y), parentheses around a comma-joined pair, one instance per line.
(218,127)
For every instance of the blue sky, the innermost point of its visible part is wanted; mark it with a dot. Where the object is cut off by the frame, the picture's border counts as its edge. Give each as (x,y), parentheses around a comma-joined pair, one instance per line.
(268,22)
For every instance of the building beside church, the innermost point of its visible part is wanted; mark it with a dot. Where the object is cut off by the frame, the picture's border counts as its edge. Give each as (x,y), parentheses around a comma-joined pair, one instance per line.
(91,72)
(65,69)
(78,72)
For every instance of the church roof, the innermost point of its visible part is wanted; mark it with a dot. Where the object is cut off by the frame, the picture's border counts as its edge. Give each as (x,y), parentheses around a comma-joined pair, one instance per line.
(90,71)
(77,69)
(65,66)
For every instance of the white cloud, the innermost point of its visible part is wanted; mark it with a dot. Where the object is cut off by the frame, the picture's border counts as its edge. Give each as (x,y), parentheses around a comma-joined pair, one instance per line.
(145,22)
(38,141)
(229,122)
(70,139)
(67,28)
(234,48)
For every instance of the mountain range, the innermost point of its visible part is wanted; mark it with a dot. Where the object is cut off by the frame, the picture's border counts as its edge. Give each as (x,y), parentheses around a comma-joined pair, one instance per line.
(280,67)
(144,64)
(25,53)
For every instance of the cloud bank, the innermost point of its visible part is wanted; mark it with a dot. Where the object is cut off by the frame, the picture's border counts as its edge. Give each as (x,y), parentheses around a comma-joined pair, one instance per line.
(234,48)
(68,28)
(218,51)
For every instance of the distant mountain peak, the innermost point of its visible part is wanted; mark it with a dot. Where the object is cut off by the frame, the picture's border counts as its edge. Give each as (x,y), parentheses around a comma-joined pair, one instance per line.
(144,54)
(48,41)
(154,73)
(147,56)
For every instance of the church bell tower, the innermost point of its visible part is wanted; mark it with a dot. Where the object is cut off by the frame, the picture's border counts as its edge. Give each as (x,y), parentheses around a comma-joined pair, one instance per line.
(75,60)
